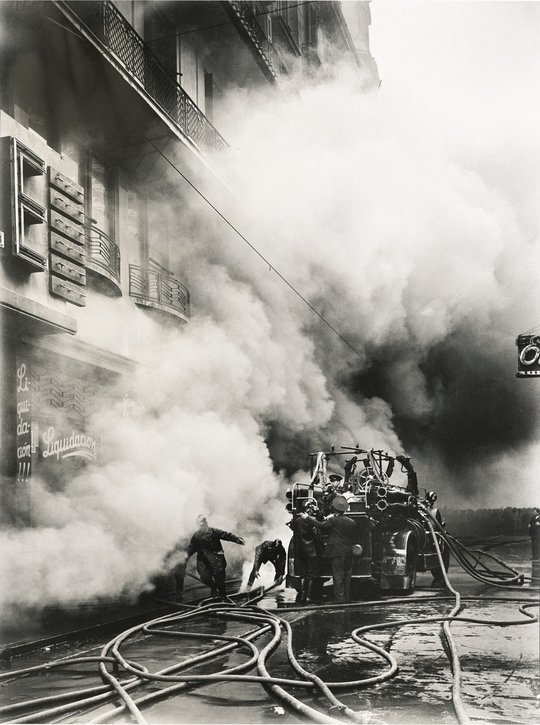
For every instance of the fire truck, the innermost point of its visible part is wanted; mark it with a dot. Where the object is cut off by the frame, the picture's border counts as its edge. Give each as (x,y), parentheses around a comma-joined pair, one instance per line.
(393,540)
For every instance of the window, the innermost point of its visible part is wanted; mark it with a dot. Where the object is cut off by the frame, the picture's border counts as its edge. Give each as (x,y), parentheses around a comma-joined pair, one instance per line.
(102,251)
(101,197)
(28,211)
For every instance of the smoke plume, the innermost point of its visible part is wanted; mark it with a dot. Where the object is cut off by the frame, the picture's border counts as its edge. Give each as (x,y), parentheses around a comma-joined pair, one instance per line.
(425,264)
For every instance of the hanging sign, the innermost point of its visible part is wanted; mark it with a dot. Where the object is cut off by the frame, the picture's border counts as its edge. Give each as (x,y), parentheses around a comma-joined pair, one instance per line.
(528,356)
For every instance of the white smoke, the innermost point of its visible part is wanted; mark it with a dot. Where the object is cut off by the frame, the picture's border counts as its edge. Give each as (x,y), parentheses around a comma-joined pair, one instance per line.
(376,220)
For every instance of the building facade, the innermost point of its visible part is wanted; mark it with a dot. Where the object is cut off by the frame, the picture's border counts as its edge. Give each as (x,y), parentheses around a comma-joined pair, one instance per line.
(92,93)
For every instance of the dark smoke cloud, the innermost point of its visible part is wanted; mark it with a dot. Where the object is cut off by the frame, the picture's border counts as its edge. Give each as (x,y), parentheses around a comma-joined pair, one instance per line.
(478,410)
(422,262)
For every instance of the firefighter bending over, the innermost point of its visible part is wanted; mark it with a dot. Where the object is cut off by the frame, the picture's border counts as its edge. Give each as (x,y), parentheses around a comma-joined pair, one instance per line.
(269,551)
(339,547)
(211,563)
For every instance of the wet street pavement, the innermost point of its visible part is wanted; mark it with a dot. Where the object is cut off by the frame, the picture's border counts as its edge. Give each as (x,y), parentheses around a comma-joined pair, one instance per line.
(501,682)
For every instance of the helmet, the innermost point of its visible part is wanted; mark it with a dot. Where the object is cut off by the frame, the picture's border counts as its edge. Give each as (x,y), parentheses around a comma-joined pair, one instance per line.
(310,503)
(340,503)
(431,497)
(333,476)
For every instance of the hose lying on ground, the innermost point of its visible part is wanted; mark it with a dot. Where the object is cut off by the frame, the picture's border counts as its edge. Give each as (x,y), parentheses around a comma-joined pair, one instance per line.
(266,622)
(275,684)
(471,561)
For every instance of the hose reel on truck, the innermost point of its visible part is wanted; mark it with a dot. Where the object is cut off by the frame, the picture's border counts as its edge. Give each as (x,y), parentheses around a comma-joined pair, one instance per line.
(390,526)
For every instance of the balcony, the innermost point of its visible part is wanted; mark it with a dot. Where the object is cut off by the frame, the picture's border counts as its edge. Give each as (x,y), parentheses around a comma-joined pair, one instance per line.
(164,293)
(126,47)
(103,260)
(243,11)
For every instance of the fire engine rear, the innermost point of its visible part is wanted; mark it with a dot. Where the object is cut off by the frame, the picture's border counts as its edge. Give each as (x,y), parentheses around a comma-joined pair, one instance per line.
(393,541)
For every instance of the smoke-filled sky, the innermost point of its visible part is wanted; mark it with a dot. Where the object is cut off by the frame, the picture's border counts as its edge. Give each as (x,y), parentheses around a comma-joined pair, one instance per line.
(408,218)
(469,71)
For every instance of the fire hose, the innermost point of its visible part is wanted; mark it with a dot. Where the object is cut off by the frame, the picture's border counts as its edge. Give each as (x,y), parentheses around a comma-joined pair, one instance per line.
(261,616)
(267,622)
(465,558)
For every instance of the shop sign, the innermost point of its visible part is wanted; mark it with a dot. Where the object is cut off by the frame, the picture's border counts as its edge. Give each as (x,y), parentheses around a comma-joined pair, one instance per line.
(24,423)
(75,445)
(528,356)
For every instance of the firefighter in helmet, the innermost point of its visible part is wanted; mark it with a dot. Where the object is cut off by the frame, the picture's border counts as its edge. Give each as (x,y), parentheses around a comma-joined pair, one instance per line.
(269,551)
(307,551)
(330,489)
(336,479)
(339,547)
(211,563)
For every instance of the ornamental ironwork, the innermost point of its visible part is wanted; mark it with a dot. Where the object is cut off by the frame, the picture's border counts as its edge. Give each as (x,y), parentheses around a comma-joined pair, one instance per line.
(248,19)
(103,252)
(155,289)
(119,37)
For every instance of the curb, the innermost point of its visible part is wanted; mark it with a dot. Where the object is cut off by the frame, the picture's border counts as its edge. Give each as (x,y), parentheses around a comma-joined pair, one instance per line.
(18,648)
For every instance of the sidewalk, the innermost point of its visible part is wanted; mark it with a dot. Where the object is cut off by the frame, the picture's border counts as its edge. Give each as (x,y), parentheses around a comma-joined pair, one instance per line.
(37,628)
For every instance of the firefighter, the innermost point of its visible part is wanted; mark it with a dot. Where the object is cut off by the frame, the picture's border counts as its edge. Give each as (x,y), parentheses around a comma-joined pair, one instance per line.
(211,563)
(329,493)
(336,479)
(307,550)
(269,551)
(438,574)
(534,533)
(339,547)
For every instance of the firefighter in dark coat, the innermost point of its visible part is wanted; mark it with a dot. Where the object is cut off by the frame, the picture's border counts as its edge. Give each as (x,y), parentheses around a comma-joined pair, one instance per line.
(206,543)
(339,547)
(534,533)
(307,550)
(269,551)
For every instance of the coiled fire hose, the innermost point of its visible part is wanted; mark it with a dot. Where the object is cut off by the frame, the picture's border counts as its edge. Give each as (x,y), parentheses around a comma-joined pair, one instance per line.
(266,622)
(472,564)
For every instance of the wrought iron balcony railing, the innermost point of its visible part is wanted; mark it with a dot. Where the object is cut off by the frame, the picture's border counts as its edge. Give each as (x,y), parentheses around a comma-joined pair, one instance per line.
(103,257)
(108,24)
(248,19)
(155,289)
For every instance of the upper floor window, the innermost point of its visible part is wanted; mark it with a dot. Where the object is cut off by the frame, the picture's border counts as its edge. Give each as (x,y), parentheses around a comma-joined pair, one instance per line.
(160,34)
(102,250)
(28,204)
(101,196)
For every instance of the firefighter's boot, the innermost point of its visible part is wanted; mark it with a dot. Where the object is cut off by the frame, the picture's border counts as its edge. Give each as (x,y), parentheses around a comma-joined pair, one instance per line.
(309,597)
(227,600)
(302,593)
